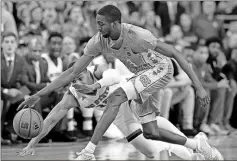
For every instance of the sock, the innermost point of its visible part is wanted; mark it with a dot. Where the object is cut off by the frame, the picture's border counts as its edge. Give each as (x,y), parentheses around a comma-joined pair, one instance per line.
(90,147)
(87,124)
(191,143)
(70,123)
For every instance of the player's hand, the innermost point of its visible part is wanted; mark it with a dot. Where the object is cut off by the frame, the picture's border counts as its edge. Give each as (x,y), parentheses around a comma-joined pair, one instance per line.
(29,102)
(84,88)
(26,151)
(202,97)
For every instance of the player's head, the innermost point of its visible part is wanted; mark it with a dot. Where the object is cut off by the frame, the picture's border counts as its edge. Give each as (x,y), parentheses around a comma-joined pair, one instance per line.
(84,77)
(107,19)
(201,54)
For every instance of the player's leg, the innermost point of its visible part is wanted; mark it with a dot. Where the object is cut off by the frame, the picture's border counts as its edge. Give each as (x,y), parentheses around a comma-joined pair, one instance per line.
(131,128)
(114,101)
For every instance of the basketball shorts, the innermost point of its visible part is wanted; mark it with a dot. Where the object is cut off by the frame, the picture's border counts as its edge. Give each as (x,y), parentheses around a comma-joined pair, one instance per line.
(145,87)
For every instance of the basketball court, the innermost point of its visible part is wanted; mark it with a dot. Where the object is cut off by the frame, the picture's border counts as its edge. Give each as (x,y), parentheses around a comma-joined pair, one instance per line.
(109,150)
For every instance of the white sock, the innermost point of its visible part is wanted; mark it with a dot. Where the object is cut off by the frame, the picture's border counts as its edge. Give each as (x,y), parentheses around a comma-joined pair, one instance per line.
(90,147)
(87,125)
(191,143)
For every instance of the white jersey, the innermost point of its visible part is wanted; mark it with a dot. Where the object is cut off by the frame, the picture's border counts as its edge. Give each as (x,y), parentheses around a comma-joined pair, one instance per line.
(53,70)
(99,99)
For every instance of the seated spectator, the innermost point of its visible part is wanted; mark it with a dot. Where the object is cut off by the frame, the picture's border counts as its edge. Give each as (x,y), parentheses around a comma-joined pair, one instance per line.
(202,120)
(54,66)
(35,76)
(230,70)
(12,91)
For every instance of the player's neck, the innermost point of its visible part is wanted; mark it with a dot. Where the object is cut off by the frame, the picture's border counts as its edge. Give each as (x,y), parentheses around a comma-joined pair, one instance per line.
(117,32)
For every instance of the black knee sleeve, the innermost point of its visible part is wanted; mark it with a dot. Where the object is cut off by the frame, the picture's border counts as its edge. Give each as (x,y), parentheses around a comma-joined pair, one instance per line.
(135,134)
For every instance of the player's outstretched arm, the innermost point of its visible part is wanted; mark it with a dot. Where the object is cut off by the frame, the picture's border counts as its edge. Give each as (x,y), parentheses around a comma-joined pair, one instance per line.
(64,79)
(107,77)
(169,51)
(58,112)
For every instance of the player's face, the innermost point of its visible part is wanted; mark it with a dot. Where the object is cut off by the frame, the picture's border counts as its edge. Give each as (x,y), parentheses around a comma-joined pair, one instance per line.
(103,26)
(85,78)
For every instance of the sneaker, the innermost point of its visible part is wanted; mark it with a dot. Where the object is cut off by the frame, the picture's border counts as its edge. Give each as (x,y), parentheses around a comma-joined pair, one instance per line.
(85,155)
(206,129)
(218,130)
(209,152)
(197,156)
(229,128)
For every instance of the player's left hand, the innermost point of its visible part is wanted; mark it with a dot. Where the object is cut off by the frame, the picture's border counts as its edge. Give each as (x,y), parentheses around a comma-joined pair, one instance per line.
(26,151)
(202,97)
(84,88)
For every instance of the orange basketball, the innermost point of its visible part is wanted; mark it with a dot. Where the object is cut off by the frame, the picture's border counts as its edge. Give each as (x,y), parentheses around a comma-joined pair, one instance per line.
(28,123)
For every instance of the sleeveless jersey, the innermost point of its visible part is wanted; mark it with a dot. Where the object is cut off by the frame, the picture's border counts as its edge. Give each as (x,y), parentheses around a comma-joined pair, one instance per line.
(53,70)
(135,48)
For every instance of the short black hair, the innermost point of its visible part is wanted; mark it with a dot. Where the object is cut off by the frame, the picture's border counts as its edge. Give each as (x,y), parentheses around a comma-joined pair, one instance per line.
(111,12)
(54,34)
(213,39)
(8,34)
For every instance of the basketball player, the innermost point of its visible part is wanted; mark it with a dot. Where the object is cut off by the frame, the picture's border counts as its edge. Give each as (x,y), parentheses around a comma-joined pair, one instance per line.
(146,57)
(125,120)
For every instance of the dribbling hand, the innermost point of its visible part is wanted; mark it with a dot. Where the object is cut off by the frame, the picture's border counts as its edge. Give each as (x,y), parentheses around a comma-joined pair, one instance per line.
(29,102)
(26,151)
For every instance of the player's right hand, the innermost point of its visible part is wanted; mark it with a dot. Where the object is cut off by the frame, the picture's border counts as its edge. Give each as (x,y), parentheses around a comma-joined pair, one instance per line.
(26,151)
(29,102)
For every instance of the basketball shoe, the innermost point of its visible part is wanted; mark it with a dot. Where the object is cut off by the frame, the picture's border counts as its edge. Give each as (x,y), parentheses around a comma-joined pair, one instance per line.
(209,152)
(85,155)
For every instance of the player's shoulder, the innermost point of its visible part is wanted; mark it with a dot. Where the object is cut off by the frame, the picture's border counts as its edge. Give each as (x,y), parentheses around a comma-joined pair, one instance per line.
(136,31)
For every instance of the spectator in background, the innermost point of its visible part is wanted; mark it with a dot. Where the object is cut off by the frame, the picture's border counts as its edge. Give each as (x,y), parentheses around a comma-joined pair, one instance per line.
(8,23)
(54,65)
(76,25)
(152,23)
(187,28)
(53,57)
(206,25)
(50,15)
(35,76)
(68,50)
(36,17)
(230,70)
(200,67)
(12,91)
(216,61)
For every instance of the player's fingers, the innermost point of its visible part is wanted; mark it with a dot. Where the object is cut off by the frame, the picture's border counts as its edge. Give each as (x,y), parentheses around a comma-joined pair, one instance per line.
(33,152)
(21,106)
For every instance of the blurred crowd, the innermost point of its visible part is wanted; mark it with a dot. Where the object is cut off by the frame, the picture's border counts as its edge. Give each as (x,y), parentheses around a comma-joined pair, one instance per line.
(41,38)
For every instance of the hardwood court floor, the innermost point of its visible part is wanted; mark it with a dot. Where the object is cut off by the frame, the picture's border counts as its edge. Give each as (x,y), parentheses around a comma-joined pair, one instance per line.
(108,150)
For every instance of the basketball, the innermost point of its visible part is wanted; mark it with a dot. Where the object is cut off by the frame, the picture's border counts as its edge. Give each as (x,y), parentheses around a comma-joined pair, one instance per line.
(28,123)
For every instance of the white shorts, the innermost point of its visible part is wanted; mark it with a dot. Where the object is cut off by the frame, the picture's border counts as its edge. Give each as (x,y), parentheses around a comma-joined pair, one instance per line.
(145,86)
